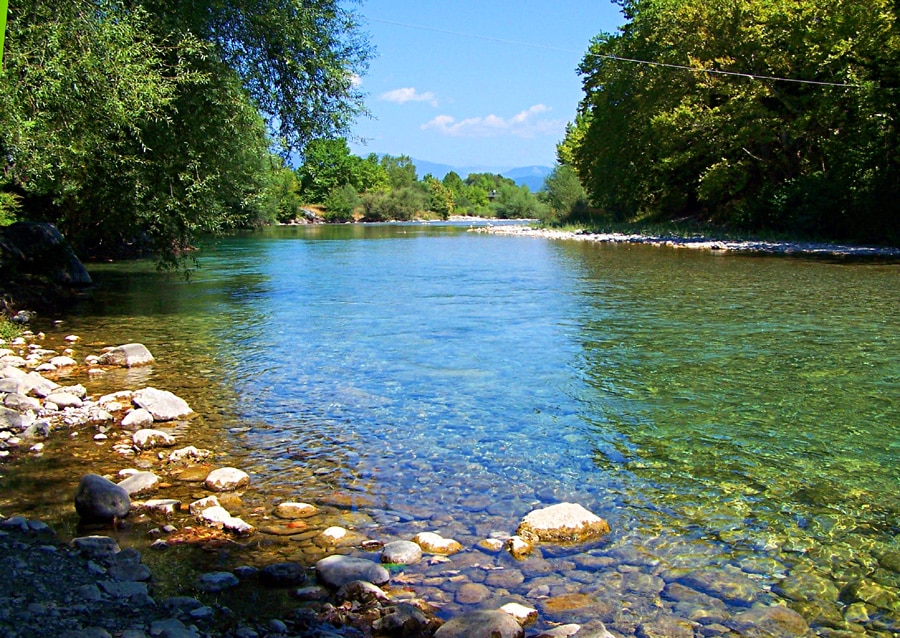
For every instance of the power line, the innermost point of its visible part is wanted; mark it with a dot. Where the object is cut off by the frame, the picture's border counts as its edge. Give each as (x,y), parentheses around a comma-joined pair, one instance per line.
(616,58)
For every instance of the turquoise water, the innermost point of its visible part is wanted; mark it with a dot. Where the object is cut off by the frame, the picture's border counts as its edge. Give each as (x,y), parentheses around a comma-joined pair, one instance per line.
(733,412)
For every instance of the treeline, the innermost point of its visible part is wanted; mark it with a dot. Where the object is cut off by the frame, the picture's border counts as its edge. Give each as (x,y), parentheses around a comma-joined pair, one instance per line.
(139,123)
(387,188)
(742,148)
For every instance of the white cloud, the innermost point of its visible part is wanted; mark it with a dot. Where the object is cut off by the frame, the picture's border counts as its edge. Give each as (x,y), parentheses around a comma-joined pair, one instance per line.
(527,123)
(355,80)
(404,95)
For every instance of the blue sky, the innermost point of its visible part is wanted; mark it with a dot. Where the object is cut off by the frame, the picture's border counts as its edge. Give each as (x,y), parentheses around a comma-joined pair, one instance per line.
(450,84)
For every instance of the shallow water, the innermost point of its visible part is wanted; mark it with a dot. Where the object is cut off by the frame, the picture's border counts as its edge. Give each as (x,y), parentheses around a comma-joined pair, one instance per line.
(721,411)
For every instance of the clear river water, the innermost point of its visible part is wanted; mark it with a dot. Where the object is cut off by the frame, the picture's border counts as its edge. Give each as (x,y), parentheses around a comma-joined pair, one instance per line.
(735,418)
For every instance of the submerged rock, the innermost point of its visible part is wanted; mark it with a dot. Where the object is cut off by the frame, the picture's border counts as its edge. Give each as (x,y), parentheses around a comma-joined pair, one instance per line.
(227,479)
(401,553)
(436,544)
(565,522)
(147,439)
(481,624)
(99,499)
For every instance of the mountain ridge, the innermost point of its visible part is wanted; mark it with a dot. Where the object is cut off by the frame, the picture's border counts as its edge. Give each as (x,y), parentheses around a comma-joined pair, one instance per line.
(531,176)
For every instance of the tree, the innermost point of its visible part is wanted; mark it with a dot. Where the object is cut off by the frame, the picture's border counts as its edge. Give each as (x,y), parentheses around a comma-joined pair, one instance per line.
(144,121)
(440,198)
(750,151)
(401,171)
(564,194)
(327,164)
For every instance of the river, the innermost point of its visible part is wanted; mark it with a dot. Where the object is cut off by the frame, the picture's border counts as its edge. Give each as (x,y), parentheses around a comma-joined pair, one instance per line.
(735,418)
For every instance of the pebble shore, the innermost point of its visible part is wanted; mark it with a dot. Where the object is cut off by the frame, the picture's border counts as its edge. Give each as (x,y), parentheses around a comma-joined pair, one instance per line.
(701,243)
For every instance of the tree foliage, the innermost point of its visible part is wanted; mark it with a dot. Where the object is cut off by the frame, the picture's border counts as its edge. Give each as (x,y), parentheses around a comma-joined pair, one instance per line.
(145,121)
(754,152)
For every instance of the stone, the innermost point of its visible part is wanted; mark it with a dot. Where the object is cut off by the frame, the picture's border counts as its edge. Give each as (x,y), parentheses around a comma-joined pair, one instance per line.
(99,499)
(401,553)
(570,630)
(523,615)
(434,543)
(518,547)
(490,545)
(137,419)
(227,479)
(140,483)
(189,454)
(64,400)
(336,571)
(362,592)
(402,619)
(732,587)
(148,439)
(220,518)
(472,594)
(15,420)
(63,362)
(285,574)
(162,404)
(481,624)
(213,582)
(40,249)
(123,589)
(99,547)
(289,510)
(126,356)
(21,403)
(165,506)
(567,602)
(38,385)
(198,506)
(771,622)
(564,522)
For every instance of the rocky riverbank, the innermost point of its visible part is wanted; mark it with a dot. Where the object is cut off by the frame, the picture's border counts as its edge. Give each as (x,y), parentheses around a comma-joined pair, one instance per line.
(702,243)
(88,586)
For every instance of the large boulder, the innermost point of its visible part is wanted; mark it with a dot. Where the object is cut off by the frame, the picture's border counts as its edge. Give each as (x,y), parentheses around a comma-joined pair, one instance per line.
(565,522)
(126,356)
(162,404)
(99,499)
(40,249)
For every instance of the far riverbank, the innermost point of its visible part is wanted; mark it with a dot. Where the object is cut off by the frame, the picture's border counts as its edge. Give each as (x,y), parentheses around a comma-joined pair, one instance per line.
(703,243)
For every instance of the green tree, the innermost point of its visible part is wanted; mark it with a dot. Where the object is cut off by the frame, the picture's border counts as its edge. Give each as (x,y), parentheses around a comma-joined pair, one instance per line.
(401,170)
(139,121)
(440,198)
(756,152)
(564,194)
(340,204)
(517,202)
(327,164)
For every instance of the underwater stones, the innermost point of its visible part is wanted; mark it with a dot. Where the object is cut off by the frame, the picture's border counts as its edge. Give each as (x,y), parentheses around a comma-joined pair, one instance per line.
(147,439)
(732,587)
(472,594)
(481,624)
(227,479)
(564,522)
(401,553)
(285,574)
(434,543)
(126,356)
(189,454)
(162,404)
(567,602)
(806,586)
(402,619)
(336,571)
(292,511)
(214,582)
(771,622)
(99,499)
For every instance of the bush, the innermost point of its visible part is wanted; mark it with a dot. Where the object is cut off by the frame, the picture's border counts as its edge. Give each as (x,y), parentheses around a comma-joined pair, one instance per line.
(340,204)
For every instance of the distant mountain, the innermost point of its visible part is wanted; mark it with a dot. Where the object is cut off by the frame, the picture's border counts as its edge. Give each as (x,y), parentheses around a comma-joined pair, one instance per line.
(531,176)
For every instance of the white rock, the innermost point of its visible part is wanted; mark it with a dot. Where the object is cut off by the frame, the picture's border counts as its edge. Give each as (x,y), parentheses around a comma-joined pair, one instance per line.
(565,522)
(227,479)
(164,506)
(73,338)
(335,533)
(198,506)
(570,630)
(146,439)
(137,419)
(436,544)
(189,454)
(140,483)
(162,404)
(523,615)
(219,518)
(63,362)
(120,398)
(518,547)
(64,400)
(127,356)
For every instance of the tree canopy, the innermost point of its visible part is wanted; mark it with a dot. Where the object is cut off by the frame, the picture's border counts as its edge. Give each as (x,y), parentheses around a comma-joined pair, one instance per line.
(716,124)
(147,121)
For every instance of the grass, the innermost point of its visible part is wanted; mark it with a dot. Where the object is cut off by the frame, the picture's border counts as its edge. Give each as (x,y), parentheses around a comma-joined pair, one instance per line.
(9,330)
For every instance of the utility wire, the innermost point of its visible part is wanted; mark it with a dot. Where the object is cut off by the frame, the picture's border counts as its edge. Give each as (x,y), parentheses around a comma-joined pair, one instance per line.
(616,58)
